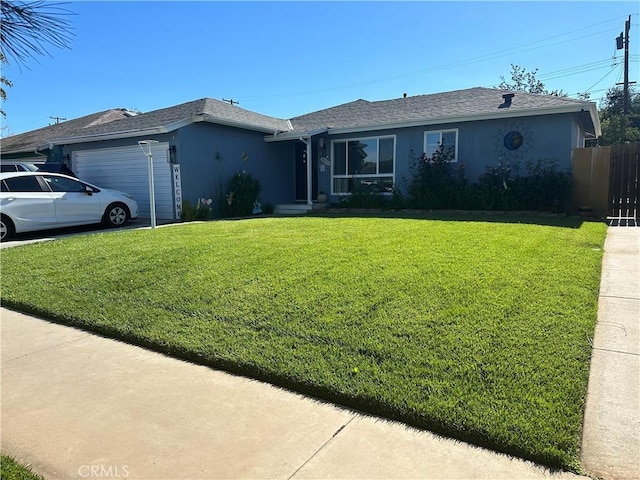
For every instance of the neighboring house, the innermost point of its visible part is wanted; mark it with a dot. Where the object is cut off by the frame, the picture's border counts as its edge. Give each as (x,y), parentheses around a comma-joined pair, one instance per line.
(34,146)
(201,144)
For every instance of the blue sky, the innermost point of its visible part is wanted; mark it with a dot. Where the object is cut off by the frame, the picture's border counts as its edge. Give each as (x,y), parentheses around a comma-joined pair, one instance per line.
(289,58)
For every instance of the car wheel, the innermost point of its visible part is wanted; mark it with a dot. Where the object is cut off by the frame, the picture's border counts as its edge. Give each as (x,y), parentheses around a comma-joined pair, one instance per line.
(6,228)
(115,215)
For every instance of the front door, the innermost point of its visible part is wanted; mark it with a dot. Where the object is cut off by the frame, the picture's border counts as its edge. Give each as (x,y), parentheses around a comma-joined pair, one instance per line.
(301,172)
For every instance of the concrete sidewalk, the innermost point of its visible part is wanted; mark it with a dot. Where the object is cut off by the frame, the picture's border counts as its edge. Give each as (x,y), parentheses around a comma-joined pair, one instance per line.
(77,405)
(611,436)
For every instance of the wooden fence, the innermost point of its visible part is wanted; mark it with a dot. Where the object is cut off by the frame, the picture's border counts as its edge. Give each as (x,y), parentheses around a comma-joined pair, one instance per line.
(605,181)
(590,167)
(623,182)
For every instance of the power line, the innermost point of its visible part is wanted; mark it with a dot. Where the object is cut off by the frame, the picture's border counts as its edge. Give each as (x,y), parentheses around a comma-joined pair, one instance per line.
(598,62)
(606,75)
(486,57)
(578,72)
(567,72)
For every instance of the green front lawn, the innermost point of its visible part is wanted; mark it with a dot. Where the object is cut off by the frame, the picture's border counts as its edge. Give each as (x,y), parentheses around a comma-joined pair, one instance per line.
(475,329)
(12,470)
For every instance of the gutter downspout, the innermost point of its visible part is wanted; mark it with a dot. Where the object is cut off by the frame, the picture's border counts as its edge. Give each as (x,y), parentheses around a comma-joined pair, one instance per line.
(307,142)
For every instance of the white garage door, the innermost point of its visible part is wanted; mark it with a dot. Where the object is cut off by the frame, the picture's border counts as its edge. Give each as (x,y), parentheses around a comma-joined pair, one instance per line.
(125,168)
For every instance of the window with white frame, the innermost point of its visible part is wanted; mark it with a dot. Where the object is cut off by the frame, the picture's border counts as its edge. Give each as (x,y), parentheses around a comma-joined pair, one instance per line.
(366,162)
(445,141)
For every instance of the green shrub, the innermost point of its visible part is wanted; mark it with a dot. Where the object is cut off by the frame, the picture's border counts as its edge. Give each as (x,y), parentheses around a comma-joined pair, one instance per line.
(495,188)
(373,195)
(436,183)
(243,193)
(200,211)
(363,195)
(544,187)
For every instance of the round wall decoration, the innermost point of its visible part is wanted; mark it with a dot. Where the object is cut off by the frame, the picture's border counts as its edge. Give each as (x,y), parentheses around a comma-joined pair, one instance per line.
(513,141)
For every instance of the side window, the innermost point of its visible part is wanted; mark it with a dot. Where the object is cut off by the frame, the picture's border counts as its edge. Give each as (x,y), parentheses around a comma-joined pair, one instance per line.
(23,184)
(3,187)
(8,168)
(444,142)
(62,184)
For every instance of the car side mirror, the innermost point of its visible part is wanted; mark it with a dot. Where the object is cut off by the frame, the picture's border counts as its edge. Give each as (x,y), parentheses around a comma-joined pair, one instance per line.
(88,190)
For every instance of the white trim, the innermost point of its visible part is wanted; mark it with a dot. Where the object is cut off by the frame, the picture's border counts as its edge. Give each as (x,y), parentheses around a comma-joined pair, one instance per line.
(427,132)
(282,137)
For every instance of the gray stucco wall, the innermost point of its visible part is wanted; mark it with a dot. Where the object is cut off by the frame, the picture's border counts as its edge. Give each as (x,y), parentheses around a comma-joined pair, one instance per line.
(209,155)
(481,144)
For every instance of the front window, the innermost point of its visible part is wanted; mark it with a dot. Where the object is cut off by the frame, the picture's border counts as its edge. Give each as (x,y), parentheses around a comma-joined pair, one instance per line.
(367,162)
(443,143)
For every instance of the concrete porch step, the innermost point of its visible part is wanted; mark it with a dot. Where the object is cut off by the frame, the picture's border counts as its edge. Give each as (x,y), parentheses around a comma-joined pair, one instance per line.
(292,209)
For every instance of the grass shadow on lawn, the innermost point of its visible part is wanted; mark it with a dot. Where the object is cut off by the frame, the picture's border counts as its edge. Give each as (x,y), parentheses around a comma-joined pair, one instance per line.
(526,218)
(474,330)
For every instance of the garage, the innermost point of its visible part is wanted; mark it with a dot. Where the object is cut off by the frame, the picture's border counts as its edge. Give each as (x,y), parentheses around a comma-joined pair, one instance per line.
(125,168)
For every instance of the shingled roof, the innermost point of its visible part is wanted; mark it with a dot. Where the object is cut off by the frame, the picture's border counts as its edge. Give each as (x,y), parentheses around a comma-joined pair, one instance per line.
(439,108)
(460,105)
(28,142)
(171,118)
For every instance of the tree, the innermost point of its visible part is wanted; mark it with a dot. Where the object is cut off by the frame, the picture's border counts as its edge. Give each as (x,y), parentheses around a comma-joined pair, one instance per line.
(611,117)
(4,82)
(27,28)
(523,81)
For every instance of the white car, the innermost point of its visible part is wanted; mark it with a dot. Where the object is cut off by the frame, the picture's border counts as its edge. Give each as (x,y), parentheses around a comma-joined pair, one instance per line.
(31,201)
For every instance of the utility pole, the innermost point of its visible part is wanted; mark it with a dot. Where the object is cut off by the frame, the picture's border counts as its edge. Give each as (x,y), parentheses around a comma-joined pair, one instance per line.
(623,42)
(231,101)
(627,27)
(57,119)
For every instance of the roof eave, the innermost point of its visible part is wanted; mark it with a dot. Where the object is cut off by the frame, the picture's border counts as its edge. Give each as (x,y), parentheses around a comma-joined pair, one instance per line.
(595,119)
(158,130)
(99,137)
(31,149)
(283,137)
(471,118)
(206,117)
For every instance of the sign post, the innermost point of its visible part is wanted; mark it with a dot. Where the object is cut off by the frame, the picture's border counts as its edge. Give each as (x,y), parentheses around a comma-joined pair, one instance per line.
(152,193)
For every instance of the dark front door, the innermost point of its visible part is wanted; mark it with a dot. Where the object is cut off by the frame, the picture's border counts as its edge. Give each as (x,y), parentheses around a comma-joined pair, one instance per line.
(301,172)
